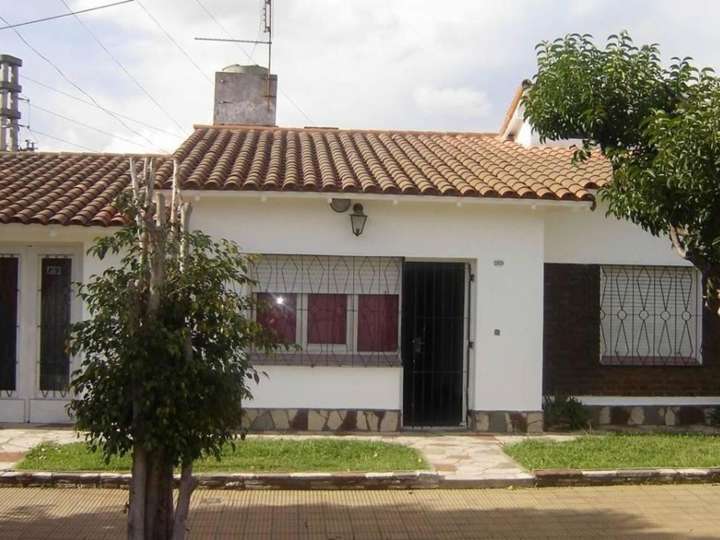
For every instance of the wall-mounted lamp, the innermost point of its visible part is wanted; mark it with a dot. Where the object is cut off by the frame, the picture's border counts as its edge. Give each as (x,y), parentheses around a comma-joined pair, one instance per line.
(358,219)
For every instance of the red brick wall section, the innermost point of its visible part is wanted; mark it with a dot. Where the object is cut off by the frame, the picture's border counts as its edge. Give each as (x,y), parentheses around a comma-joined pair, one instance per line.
(571,346)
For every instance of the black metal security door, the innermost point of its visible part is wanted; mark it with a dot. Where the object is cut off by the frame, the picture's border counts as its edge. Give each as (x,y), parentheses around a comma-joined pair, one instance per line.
(433,323)
(55,324)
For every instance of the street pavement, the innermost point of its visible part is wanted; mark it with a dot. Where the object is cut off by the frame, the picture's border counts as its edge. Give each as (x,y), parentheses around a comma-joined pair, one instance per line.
(644,512)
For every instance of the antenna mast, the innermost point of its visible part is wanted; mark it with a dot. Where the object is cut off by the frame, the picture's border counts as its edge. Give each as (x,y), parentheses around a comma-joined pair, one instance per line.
(267,29)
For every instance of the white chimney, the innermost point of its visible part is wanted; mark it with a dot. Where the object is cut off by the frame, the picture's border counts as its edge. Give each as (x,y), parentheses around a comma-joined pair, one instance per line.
(245,95)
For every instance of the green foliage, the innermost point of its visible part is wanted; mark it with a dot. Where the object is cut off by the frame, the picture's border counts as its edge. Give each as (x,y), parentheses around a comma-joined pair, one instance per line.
(565,412)
(714,419)
(316,454)
(658,126)
(618,451)
(190,404)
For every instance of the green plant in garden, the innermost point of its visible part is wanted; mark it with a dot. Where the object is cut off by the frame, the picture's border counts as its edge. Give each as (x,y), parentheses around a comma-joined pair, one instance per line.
(164,362)
(714,419)
(659,127)
(565,412)
(253,455)
(618,450)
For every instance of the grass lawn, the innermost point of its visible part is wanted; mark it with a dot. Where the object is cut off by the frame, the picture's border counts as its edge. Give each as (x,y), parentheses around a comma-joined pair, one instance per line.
(618,451)
(320,454)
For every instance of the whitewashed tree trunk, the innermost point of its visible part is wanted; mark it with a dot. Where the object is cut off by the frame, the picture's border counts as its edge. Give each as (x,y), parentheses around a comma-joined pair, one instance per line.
(151,514)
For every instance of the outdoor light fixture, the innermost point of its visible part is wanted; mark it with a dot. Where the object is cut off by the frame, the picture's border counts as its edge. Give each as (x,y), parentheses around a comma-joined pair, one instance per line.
(340,205)
(358,219)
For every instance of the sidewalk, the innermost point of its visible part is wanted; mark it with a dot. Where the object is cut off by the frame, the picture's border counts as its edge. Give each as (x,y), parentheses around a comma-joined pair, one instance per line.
(458,456)
(457,460)
(645,512)
(17,439)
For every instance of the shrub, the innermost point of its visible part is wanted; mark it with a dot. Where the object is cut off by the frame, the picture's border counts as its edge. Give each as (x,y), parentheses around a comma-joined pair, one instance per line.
(565,412)
(714,418)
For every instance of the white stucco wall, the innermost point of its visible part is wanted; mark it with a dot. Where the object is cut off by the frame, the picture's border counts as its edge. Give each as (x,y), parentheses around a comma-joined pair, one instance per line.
(505,244)
(505,369)
(327,388)
(591,237)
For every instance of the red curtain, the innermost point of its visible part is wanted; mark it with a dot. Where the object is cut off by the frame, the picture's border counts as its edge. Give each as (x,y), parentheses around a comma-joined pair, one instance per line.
(278,312)
(327,319)
(377,323)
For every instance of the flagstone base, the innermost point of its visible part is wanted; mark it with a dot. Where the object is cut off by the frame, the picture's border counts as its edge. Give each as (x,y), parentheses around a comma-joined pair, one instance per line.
(506,421)
(340,420)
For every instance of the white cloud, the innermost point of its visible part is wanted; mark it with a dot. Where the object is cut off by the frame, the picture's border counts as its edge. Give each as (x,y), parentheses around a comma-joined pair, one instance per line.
(404,64)
(454,102)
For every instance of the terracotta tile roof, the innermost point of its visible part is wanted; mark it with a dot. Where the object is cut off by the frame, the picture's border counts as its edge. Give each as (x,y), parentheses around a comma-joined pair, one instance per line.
(78,189)
(61,188)
(391,162)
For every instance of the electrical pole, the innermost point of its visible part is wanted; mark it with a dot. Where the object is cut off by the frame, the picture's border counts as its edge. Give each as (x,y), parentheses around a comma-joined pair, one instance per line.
(9,102)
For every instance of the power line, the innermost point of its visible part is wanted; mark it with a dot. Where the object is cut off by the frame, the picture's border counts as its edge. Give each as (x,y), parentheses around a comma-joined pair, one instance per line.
(86,126)
(120,64)
(52,18)
(173,41)
(227,33)
(66,94)
(47,135)
(71,82)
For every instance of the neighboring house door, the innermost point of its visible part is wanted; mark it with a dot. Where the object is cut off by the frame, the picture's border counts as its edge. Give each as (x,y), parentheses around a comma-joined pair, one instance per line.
(37,306)
(8,325)
(433,330)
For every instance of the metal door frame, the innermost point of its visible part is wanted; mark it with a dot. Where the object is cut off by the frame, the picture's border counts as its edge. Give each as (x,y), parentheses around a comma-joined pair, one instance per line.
(467,345)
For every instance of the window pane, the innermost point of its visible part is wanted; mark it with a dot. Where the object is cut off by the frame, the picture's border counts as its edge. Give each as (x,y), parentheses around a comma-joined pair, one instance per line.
(327,319)
(378,322)
(54,324)
(278,312)
(650,315)
(8,321)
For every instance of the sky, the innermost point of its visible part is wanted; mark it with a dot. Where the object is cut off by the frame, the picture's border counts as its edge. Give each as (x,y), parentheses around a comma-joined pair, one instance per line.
(385,64)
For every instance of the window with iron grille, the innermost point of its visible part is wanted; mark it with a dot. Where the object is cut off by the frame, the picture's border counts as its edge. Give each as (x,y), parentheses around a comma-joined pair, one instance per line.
(336,310)
(55,305)
(650,315)
(8,322)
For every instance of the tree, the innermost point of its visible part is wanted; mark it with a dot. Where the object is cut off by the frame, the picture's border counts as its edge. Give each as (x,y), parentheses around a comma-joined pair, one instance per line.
(164,361)
(658,126)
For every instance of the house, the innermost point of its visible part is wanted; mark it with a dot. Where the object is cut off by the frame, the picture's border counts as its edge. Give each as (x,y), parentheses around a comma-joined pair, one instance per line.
(431,279)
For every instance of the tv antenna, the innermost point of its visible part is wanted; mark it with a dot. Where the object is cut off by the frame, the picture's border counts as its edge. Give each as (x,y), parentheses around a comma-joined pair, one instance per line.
(266,29)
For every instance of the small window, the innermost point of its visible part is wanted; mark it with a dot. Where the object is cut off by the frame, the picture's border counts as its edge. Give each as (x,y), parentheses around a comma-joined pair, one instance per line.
(650,315)
(377,323)
(278,312)
(327,319)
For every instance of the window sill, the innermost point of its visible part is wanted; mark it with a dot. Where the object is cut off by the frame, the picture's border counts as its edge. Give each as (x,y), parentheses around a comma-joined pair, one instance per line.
(310,359)
(650,361)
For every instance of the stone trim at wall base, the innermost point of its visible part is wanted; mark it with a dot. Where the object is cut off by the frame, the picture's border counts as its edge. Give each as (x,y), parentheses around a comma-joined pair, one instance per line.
(327,420)
(506,421)
(650,415)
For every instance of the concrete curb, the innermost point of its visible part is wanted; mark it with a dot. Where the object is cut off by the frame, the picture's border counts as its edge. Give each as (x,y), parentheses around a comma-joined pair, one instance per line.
(375,481)
(576,477)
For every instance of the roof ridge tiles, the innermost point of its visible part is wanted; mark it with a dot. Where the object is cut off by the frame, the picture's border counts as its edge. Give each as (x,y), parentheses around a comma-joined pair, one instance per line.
(323,129)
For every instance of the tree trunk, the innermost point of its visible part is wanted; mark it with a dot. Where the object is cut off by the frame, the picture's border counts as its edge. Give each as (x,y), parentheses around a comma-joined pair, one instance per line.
(159,510)
(187,486)
(138,491)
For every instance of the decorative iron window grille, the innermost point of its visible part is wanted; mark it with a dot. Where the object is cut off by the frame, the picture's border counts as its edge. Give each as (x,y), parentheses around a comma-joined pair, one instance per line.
(9,322)
(650,315)
(335,310)
(55,317)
